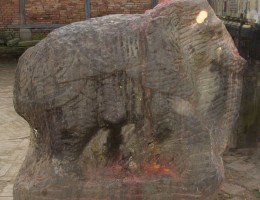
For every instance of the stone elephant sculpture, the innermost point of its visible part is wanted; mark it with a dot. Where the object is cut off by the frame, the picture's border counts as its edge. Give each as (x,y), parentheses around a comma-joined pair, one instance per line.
(129,106)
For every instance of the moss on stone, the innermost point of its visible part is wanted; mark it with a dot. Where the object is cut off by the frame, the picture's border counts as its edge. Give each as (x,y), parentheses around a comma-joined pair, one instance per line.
(7,35)
(13,42)
(28,43)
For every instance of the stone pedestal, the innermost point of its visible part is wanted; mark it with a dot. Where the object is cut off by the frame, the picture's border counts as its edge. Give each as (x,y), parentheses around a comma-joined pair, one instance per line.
(25,34)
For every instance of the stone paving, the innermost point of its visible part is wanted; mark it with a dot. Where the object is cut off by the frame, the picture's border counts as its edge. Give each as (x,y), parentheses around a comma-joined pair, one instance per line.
(242,166)
(242,170)
(14,132)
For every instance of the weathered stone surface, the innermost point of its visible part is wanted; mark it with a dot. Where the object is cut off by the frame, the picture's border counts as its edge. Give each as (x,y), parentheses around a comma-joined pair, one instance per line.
(240,165)
(129,106)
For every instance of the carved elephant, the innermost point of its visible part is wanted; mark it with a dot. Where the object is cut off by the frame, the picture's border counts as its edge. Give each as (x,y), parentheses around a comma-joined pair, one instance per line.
(129,106)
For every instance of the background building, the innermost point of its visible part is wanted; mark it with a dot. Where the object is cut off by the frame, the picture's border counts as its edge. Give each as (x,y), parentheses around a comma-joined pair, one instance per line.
(41,16)
(242,20)
(244,9)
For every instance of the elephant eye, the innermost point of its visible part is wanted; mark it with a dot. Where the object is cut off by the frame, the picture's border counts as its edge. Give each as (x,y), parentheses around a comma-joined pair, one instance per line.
(216,35)
(220,33)
(214,31)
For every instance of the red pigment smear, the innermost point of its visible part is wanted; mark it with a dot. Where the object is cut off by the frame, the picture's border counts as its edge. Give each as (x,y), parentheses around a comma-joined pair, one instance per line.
(148,11)
(148,170)
(116,168)
(165,1)
(160,2)
(236,53)
(134,195)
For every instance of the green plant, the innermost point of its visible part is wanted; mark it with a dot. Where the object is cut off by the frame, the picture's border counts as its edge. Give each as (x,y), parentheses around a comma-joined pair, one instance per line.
(7,35)
(257,193)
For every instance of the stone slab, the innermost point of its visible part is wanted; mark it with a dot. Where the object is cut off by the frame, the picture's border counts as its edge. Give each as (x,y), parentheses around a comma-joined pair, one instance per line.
(7,191)
(25,34)
(252,184)
(237,198)
(241,166)
(254,173)
(229,159)
(14,131)
(4,169)
(232,189)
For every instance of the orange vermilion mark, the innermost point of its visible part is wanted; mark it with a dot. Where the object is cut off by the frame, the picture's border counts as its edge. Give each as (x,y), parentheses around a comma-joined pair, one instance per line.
(156,168)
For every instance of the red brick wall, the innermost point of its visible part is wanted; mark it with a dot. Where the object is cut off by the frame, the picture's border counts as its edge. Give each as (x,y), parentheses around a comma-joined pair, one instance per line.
(64,11)
(54,11)
(105,7)
(9,13)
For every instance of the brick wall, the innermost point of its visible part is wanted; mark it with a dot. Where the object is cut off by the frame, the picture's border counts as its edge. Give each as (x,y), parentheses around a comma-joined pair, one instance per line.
(105,7)
(62,12)
(65,11)
(54,11)
(9,13)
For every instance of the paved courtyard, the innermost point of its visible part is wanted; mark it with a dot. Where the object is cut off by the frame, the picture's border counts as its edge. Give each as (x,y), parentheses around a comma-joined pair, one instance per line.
(14,132)
(242,165)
